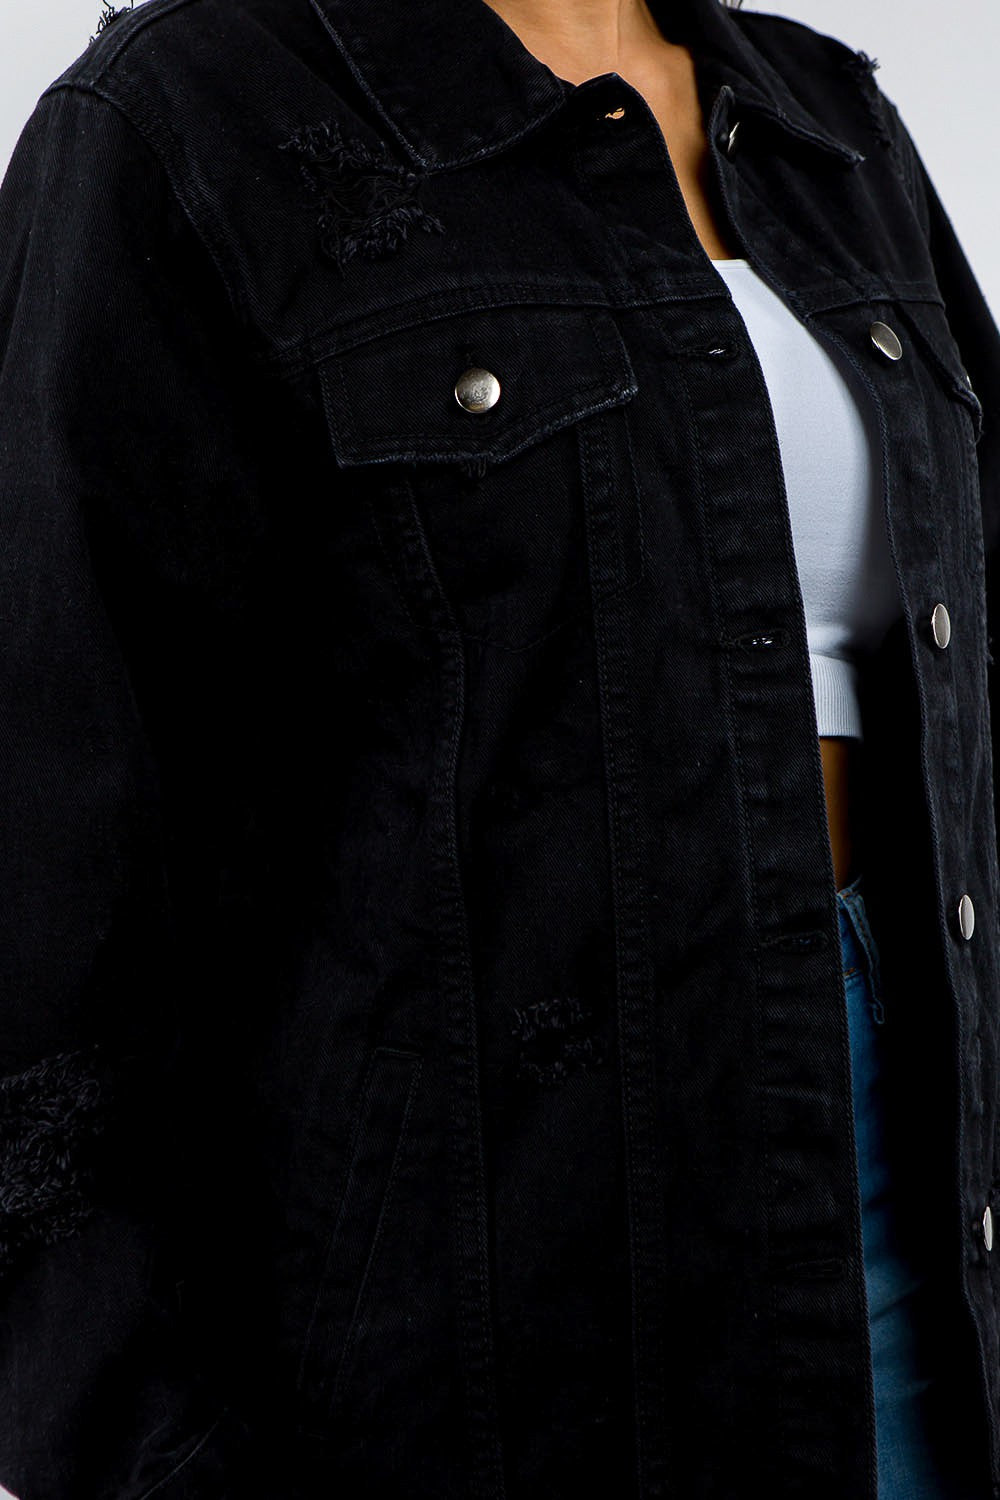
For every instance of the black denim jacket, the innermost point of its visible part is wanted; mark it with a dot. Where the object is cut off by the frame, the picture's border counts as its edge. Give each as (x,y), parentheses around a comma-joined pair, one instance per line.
(424,1059)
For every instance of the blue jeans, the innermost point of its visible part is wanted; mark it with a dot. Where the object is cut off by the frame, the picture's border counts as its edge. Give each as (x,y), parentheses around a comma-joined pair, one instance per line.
(908,1364)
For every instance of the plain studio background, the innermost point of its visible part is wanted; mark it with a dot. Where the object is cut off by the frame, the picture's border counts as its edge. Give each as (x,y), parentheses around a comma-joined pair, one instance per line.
(936,63)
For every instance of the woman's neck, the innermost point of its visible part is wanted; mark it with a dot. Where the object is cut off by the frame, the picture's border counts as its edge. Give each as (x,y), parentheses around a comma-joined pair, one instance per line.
(583,37)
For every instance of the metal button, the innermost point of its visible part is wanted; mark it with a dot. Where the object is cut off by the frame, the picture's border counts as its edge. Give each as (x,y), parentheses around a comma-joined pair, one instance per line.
(940,625)
(477,390)
(967,378)
(614,114)
(988,1227)
(728,141)
(966,916)
(884,338)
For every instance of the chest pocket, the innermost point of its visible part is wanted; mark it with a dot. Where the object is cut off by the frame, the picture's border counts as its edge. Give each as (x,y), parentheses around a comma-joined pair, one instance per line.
(956,421)
(511,514)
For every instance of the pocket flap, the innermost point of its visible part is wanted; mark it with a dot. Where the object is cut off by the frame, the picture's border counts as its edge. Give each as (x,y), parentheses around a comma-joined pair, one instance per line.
(392,396)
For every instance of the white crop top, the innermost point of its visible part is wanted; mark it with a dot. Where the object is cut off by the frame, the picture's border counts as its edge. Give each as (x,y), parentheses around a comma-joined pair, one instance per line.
(831,457)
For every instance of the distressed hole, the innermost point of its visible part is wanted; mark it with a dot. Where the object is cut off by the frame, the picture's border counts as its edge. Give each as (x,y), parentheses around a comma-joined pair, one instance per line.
(50,1115)
(862,68)
(555,1041)
(367,202)
(110,14)
(862,63)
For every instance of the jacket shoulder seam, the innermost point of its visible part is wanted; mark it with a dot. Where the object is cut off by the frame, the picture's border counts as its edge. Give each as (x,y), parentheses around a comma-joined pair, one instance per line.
(107,46)
(902,159)
(763,19)
(157,143)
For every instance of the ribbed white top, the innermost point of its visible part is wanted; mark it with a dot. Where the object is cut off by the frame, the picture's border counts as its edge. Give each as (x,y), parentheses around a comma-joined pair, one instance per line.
(831,460)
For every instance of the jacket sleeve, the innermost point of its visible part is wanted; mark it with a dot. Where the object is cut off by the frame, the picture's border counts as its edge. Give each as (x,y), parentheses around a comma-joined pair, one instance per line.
(978,337)
(114,419)
(972,322)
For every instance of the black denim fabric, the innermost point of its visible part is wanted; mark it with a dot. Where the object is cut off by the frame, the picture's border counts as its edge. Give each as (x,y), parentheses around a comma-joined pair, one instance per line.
(424,1058)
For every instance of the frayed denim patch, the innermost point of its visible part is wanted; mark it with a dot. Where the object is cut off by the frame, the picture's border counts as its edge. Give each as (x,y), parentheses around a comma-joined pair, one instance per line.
(862,62)
(110,14)
(554,1040)
(367,202)
(862,69)
(50,1116)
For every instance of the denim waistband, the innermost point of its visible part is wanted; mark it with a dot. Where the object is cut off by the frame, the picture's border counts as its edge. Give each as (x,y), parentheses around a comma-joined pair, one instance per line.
(857,941)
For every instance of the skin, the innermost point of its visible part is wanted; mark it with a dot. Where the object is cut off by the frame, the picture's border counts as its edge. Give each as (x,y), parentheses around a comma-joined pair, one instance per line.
(580,39)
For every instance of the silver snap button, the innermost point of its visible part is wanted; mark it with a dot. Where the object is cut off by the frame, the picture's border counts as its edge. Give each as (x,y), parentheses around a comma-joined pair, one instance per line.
(966,916)
(884,338)
(941,625)
(729,141)
(988,1227)
(477,390)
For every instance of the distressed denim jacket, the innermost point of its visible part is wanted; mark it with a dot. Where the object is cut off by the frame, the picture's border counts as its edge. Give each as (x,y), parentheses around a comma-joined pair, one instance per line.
(424,1061)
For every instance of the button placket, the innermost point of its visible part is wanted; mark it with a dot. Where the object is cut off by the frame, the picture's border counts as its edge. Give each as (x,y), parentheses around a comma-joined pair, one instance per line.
(888,343)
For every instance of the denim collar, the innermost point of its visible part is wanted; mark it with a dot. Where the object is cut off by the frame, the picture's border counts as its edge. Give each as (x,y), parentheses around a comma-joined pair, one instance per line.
(453,82)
